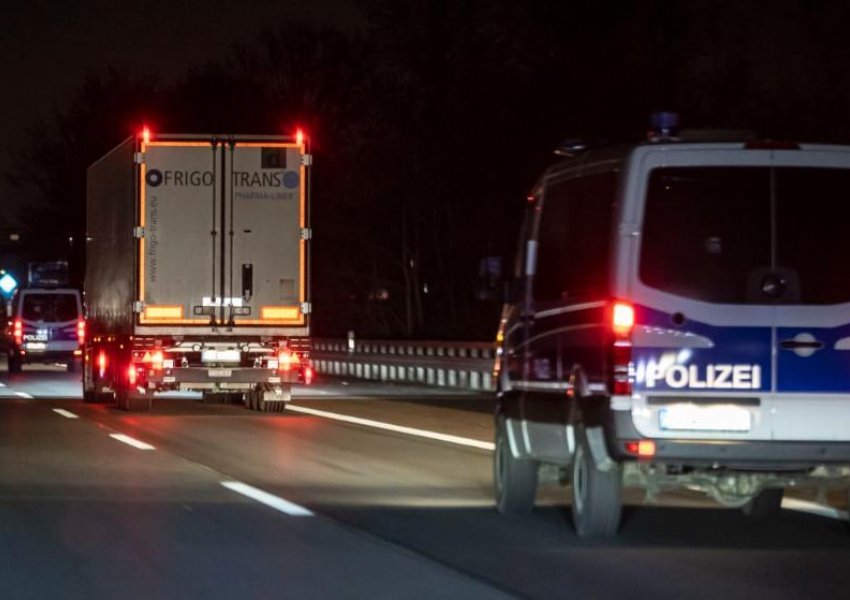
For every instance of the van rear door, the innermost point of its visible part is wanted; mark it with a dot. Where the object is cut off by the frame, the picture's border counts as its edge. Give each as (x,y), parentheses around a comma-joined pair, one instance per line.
(741,302)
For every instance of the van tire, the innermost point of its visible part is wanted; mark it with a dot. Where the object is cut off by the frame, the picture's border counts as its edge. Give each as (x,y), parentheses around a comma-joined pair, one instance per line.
(596,494)
(514,479)
(766,503)
(133,401)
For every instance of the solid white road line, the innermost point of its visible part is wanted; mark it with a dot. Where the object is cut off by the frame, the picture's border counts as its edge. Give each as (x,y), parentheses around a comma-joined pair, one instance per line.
(23,395)
(131,441)
(431,435)
(270,500)
(2,385)
(65,413)
(814,508)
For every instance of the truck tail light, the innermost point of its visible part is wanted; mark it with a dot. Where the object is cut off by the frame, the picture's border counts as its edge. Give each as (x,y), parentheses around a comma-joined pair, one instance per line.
(157,359)
(101,364)
(81,331)
(622,324)
(286,360)
(308,374)
(131,375)
(18,332)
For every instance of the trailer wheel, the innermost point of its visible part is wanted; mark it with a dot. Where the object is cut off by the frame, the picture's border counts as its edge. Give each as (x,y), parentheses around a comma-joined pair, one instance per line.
(766,503)
(596,494)
(514,479)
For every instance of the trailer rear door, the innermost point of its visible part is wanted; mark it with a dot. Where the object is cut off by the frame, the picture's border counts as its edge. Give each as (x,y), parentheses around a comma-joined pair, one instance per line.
(220,237)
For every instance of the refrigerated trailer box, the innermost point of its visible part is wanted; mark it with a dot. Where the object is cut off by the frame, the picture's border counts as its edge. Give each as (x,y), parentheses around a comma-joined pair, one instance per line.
(197,270)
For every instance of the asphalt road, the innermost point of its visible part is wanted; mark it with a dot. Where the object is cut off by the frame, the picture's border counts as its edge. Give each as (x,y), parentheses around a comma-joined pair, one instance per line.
(352,509)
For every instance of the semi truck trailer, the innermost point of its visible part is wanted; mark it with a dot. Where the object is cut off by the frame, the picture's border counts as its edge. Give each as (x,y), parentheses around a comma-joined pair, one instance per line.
(197,269)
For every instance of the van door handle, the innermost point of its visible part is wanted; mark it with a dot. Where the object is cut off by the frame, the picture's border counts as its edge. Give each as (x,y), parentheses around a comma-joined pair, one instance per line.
(800,345)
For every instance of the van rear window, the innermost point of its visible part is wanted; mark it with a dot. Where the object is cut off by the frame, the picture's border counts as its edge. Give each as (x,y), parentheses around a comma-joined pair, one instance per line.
(715,233)
(50,307)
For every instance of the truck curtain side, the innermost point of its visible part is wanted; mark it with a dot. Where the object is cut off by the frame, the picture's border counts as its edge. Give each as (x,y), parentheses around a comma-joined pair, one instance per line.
(197,269)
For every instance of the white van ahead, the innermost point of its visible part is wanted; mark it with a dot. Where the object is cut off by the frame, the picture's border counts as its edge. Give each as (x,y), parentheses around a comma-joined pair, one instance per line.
(45,325)
(680,316)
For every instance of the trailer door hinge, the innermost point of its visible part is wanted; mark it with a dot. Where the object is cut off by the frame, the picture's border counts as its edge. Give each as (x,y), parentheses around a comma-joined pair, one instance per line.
(138,232)
(306,307)
(138,306)
(306,233)
(307,160)
(139,158)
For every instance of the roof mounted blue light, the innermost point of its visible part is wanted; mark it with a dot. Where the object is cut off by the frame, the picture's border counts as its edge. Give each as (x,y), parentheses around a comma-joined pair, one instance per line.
(663,126)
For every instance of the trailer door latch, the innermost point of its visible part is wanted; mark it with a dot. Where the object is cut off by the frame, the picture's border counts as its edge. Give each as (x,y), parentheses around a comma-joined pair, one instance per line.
(138,232)
(138,306)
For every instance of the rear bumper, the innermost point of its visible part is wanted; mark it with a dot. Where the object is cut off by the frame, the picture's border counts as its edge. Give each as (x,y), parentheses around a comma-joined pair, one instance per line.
(223,377)
(739,454)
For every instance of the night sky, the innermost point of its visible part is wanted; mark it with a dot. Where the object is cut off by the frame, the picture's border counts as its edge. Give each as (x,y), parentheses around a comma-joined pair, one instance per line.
(429,119)
(48,47)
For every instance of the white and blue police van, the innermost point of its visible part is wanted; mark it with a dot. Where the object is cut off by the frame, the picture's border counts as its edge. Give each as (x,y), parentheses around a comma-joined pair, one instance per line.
(679,316)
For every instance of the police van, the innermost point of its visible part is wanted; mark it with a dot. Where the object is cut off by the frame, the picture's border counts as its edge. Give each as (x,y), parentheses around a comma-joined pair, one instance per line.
(679,316)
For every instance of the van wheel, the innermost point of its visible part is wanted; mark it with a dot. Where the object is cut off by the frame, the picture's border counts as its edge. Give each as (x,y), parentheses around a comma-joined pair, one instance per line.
(133,401)
(596,495)
(766,503)
(514,479)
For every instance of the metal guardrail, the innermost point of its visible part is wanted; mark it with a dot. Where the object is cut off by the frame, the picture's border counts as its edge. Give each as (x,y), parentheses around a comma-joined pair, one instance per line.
(463,365)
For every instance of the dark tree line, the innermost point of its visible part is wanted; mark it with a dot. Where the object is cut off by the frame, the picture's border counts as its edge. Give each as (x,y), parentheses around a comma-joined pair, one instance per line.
(431,122)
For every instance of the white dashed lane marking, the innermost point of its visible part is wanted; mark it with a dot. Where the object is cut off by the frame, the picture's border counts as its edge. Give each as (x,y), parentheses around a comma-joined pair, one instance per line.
(65,413)
(270,500)
(423,433)
(126,439)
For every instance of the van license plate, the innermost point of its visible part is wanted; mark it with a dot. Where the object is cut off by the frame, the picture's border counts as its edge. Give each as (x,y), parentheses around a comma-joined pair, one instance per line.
(689,417)
(220,372)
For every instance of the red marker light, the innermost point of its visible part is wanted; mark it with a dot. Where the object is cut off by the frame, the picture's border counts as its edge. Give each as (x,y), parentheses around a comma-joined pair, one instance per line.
(131,374)
(308,375)
(299,136)
(146,134)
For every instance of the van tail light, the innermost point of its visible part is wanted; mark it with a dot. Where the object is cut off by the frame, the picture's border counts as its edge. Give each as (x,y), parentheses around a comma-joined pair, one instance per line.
(18,332)
(622,320)
(101,364)
(640,447)
(81,331)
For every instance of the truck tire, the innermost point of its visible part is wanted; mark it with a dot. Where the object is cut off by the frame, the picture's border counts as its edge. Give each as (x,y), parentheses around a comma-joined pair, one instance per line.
(514,479)
(254,400)
(766,503)
(15,363)
(596,494)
